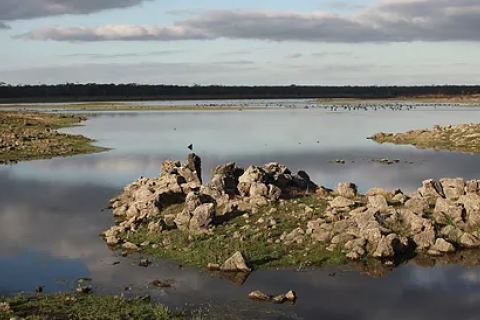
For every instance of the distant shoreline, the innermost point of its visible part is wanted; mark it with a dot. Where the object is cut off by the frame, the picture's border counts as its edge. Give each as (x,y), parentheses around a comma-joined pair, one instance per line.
(314,98)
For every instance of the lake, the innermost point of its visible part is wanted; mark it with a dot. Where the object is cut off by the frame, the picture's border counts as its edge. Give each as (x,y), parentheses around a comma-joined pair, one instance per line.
(51,210)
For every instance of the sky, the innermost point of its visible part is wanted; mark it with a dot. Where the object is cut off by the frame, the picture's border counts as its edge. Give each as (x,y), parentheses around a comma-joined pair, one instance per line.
(240,42)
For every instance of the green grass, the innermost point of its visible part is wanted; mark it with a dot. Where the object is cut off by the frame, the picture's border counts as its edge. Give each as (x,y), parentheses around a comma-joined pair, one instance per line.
(258,246)
(86,307)
(30,136)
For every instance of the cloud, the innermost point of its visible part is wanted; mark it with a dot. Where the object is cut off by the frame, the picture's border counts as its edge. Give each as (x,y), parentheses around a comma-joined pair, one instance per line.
(326,54)
(294,55)
(122,55)
(385,21)
(343,5)
(114,32)
(29,9)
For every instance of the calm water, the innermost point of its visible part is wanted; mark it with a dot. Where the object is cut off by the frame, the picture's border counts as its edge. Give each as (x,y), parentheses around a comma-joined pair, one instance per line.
(50,211)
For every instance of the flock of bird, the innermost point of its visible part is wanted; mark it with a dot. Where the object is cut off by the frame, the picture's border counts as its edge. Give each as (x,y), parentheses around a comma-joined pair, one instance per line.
(337,107)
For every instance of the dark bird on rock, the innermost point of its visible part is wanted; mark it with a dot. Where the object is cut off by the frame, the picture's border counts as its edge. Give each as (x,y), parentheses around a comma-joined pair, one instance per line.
(190,146)
(39,289)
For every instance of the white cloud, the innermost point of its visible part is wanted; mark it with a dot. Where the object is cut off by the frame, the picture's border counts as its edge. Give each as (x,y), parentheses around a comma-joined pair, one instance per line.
(386,21)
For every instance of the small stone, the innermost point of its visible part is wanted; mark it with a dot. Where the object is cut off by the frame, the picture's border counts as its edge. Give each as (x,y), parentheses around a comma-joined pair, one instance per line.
(213,267)
(291,295)
(130,246)
(257,295)
(261,220)
(144,263)
(85,289)
(279,299)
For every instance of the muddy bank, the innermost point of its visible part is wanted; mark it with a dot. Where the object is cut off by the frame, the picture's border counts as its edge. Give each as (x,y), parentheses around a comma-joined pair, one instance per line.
(462,138)
(268,217)
(30,136)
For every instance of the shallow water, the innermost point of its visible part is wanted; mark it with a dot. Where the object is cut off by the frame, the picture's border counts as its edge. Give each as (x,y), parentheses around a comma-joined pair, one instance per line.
(50,210)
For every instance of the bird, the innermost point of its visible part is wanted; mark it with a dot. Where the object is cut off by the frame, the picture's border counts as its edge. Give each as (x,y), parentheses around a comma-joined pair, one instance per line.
(39,289)
(190,146)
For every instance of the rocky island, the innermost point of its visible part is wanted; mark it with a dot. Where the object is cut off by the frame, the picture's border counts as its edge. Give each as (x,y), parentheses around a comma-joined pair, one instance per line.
(461,138)
(269,217)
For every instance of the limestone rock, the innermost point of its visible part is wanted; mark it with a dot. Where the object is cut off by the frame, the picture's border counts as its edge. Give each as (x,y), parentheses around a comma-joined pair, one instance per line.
(447,211)
(346,189)
(431,188)
(418,205)
(130,246)
(388,247)
(342,203)
(236,263)
(469,241)
(377,201)
(424,239)
(258,295)
(443,246)
(453,188)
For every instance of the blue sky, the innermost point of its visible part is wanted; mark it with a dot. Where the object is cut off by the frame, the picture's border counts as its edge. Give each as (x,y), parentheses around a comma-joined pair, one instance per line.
(383,42)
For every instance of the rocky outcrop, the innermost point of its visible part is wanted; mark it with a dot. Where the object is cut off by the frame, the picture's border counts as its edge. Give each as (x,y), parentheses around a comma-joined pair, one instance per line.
(441,217)
(463,137)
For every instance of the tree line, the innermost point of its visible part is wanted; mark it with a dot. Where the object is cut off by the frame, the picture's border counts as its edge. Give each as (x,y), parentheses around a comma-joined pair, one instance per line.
(133,91)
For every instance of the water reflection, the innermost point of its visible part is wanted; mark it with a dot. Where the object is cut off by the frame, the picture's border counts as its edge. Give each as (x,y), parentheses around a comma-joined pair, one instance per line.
(50,211)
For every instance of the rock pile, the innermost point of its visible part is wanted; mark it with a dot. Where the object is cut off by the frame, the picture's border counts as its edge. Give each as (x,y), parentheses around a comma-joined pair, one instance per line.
(441,217)
(143,201)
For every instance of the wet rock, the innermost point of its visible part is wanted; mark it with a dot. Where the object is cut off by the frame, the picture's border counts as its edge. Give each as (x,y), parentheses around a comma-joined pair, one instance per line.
(144,263)
(236,263)
(346,189)
(451,233)
(388,247)
(260,296)
(443,246)
(213,267)
(424,239)
(469,241)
